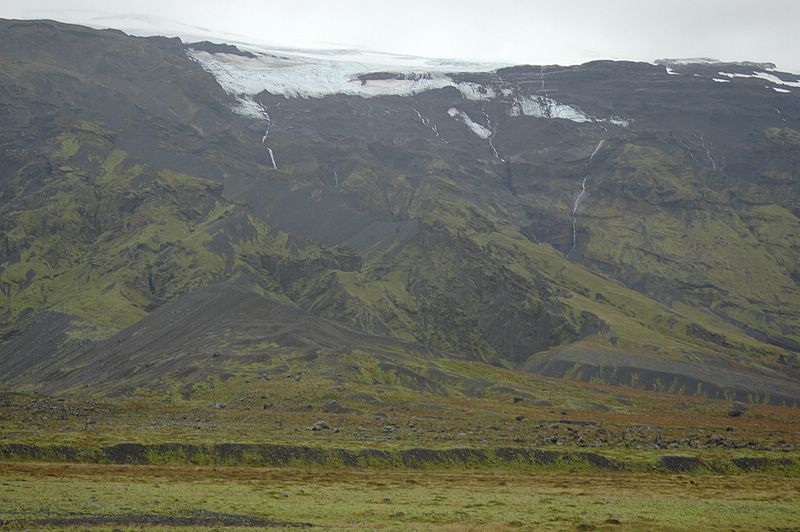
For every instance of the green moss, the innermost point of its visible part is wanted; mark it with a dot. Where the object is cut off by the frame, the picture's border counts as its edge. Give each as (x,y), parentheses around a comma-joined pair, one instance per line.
(103,251)
(728,264)
(69,146)
(786,136)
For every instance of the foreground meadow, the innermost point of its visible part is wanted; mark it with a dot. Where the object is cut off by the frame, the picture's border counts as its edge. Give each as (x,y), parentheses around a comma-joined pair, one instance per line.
(93,496)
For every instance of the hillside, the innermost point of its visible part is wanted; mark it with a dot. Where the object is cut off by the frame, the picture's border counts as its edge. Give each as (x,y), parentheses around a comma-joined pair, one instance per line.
(173,213)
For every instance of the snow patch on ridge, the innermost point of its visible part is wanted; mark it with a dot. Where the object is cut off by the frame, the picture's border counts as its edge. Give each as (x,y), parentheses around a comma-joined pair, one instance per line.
(247,106)
(762,75)
(476,128)
(544,107)
(683,61)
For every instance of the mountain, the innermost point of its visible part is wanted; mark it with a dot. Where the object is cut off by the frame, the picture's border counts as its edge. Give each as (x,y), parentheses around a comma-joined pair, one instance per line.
(175,212)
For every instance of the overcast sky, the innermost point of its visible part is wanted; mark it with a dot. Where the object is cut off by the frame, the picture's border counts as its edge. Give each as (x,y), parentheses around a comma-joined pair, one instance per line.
(513,31)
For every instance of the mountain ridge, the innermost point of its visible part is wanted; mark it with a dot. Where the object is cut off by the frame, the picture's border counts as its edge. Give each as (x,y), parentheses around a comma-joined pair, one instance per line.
(523,224)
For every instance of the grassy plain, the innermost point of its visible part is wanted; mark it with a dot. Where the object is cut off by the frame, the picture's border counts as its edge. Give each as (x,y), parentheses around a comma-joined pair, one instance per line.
(107,497)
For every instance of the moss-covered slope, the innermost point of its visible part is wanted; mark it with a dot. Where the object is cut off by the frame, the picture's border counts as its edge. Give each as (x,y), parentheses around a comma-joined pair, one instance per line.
(663,254)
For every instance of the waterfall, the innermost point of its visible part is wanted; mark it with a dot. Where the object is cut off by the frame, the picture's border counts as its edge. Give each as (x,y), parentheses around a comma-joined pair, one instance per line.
(491,130)
(264,140)
(427,123)
(580,196)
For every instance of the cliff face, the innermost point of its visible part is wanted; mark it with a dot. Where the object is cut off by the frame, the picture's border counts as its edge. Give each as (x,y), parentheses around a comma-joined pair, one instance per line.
(617,222)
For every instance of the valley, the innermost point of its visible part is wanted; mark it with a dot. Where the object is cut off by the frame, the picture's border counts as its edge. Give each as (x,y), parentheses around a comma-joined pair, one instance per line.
(419,293)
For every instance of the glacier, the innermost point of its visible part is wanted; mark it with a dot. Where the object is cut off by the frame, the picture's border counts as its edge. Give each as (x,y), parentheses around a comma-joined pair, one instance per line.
(297,74)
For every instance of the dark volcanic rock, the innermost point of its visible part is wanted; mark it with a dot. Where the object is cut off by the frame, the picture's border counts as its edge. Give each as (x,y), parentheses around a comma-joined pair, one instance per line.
(320,425)
(216,48)
(681,464)
(335,408)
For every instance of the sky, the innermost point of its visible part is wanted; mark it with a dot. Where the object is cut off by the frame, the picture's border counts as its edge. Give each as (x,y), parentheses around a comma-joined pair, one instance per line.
(506,31)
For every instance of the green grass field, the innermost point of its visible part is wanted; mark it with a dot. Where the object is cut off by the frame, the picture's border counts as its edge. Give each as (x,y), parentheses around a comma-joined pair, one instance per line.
(107,497)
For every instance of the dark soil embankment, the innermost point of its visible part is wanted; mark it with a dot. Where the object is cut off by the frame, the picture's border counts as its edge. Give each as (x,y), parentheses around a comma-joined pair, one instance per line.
(270,455)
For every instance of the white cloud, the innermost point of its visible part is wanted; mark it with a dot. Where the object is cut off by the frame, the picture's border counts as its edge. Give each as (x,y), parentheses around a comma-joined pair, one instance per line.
(565,32)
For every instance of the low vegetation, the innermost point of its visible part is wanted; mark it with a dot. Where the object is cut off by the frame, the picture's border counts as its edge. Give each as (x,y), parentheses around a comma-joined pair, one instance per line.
(86,496)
